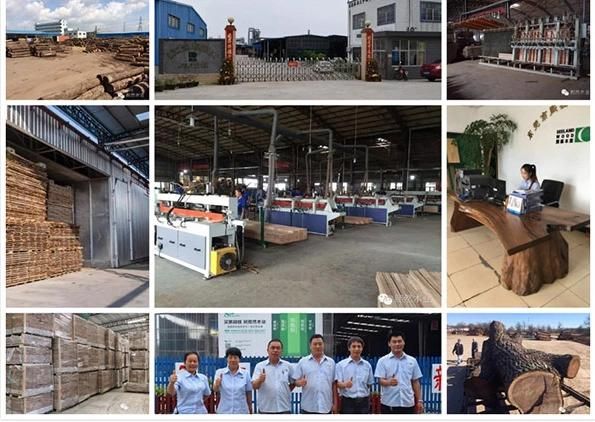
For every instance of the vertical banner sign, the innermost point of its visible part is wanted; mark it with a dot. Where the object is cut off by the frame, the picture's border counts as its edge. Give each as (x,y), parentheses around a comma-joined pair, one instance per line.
(369,45)
(248,332)
(230,42)
(294,330)
(436,377)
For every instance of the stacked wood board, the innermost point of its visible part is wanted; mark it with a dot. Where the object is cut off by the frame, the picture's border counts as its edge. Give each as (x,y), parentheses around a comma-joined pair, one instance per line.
(18,48)
(60,203)
(417,289)
(55,361)
(35,247)
(275,233)
(138,376)
(350,219)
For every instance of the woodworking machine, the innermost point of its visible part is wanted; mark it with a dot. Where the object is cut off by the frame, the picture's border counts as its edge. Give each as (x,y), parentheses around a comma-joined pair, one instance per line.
(199,232)
(318,215)
(377,207)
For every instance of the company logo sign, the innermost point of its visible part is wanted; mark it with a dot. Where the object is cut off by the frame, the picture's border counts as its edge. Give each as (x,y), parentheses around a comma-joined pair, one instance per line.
(573,135)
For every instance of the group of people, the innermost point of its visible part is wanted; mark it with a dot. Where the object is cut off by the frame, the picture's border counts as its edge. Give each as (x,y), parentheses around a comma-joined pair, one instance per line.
(327,387)
(459,350)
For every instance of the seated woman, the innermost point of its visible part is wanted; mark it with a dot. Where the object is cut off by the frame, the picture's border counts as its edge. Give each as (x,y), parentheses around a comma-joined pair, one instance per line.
(529,176)
(190,388)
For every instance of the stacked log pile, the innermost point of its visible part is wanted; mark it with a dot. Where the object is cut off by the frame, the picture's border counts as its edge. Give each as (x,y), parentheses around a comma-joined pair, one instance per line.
(35,247)
(43,48)
(530,379)
(573,336)
(543,336)
(56,361)
(18,48)
(138,376)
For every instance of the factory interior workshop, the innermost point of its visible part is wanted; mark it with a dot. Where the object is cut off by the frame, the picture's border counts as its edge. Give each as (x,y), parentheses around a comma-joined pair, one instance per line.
(518,49)
(352,218)
(77,194)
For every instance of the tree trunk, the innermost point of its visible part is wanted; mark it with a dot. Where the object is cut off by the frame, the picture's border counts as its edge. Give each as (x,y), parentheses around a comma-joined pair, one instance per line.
(531,379)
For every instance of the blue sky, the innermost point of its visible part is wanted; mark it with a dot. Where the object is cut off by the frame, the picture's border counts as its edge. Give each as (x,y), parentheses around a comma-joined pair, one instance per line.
(107,15)
(274,18)
(535,318)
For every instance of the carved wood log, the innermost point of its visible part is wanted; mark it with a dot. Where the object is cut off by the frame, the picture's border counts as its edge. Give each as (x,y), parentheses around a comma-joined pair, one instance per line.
(530,379)
(525,272)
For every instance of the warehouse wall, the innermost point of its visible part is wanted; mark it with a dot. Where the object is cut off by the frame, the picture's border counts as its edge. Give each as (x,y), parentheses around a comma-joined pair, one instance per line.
(165,170)
(550,158)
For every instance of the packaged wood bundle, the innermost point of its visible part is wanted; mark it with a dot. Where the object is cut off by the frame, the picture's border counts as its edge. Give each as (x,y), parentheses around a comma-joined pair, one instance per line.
(40,403)
(138,376)
(87,358)
(275,233)
(119,359)
(29,380)
(39,324)
(139,359)
(66,390)
(64,356)
(84,332)
(132,387)
(124,372)
(60,203)
(87,385)
(28,340)
(102,358)
(106,380)
(63,326)
(119,378)
(110,362)
(26,189)
(110,339)
(139,340)
(20,355)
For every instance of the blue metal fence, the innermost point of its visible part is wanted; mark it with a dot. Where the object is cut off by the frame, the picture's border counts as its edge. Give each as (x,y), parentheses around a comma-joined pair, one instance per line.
(209,364)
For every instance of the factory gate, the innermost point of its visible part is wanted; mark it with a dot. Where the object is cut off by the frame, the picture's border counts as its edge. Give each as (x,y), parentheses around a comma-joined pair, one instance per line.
(252,69)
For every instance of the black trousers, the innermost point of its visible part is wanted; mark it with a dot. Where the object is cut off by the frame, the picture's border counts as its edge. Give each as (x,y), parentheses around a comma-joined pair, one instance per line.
(392,410)
(353,406)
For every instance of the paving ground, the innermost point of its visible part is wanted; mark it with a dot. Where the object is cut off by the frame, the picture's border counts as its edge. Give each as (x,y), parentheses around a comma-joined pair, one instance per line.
(474,262)
(338,271)
(310,90)
(469,80)
(29,78)
(581,383)
(112,402)
(102,288)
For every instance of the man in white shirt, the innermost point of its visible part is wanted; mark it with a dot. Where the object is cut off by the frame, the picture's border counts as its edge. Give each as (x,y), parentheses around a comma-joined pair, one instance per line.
(272,379)
(354,377)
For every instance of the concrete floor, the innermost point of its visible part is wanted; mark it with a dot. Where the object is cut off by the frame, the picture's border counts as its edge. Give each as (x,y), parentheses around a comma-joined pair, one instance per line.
(113,402)
(102,288)
(419,89)
(470,80)
(474,261)
(338,271)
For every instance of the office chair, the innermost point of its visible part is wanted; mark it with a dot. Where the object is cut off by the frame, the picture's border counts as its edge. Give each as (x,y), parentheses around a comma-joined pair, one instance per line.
(552,191)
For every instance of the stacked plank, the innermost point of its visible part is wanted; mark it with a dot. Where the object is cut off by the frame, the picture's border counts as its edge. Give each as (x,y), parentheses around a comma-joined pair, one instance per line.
(275,233)
(65,253)
(417,289)
(60,203)
(26,252)
(350,219)
(138,376)
(26,189)
(543,336)
(29,369)
(18,48)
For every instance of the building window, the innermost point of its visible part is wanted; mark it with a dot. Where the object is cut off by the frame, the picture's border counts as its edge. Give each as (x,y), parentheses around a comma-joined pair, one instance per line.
(173,21)
(386,14)
(430,12)
(430,186)
(359,20)
(192,57)
(190,27)
(201,32)
(409,52)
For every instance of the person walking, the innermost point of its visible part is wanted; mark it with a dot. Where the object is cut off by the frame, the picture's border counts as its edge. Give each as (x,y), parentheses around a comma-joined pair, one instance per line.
(458,350)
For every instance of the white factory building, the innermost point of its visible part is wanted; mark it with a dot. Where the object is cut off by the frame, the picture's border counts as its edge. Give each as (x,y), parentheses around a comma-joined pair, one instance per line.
(52,27)
(405,31)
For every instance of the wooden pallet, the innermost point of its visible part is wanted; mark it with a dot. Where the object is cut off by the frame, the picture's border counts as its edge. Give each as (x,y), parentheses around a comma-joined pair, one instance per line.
(275,233)
(349,219)
(417,289)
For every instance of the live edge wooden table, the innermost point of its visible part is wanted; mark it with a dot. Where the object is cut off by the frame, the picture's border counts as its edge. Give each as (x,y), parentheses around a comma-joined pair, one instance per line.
(536,252)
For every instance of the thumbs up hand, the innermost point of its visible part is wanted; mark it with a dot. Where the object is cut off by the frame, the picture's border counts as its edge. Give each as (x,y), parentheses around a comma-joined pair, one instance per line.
(349,383)
(393,381)
(262,376)
(217,383)
(173,378)
(301,382)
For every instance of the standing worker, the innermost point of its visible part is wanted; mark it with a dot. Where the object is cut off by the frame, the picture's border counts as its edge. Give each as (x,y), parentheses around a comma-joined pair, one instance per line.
(315,373)
(272,379)
(354,378)
(233,385)
(474,348)
(458,350)
(190,388)
(399,378)
(242,203)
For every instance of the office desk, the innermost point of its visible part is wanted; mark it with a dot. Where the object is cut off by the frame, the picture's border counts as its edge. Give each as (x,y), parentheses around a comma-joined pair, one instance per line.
(536,252)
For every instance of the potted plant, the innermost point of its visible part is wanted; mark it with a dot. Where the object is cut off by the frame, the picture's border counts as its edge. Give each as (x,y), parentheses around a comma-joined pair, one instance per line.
(492,135)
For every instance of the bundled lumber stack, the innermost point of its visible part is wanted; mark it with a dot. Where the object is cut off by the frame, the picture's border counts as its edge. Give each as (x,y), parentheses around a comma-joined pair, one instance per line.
(275,233)
(29,370)
(26,189)
(543,336)
(26,252)
(55,361)
(18,48)
(60,203)
(531,379)
(138,376)
(65,253)
(417,289)
(350,219)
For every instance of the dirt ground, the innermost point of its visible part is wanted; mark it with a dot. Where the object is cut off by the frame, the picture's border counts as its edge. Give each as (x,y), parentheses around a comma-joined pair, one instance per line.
(29,78)
(581,383)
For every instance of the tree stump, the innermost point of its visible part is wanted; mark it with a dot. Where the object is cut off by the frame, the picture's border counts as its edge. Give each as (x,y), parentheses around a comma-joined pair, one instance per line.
(530,378)
(526,271)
